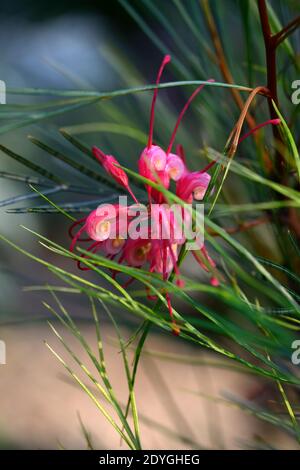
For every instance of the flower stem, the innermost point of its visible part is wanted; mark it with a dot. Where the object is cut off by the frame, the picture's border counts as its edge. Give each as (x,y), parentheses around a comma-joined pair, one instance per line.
(270,49)
(271,42)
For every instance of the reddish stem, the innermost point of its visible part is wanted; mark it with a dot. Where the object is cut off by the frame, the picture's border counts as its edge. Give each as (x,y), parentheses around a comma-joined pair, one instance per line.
(270,49)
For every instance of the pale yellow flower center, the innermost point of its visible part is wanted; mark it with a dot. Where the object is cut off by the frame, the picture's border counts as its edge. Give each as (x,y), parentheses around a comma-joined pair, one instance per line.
(117,242)
(159,164)
(173,173)
(142,251)
(103,227)
(199,193)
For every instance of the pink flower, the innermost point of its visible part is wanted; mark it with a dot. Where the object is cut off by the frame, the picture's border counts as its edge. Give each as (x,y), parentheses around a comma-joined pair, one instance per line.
(107,229)
(101,224)
(110,164)
(136,252)
(152,160)
(193,185)
(175,167)
(98,227)
(112,247)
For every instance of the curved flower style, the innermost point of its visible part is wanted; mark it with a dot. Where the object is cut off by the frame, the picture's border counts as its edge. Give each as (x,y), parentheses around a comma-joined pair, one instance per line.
(105,230)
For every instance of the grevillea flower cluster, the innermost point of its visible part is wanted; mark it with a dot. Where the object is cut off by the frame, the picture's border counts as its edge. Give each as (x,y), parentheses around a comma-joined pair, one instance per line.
(158,255)
(159,166)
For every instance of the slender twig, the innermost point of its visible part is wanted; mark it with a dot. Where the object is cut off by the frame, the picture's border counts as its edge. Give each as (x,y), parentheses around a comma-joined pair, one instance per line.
(286,31)
(242,227)
(234,137)
(271,43)
(221,59)
(270,49)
